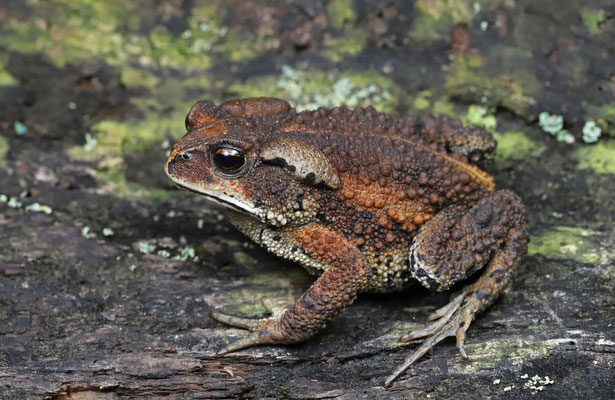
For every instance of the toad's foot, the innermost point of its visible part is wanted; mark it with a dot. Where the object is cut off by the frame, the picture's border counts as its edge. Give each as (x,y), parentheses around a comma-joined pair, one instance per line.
(264,329)
(440,317)
(450,320)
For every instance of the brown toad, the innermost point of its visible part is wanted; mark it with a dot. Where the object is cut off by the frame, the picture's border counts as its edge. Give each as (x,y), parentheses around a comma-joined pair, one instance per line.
(369,202)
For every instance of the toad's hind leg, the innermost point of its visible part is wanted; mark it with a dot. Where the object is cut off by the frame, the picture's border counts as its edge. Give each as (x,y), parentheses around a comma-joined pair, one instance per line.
(452,246)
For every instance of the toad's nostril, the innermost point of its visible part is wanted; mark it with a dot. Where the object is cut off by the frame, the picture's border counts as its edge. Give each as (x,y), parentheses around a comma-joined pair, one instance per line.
(171,166)
(186,155)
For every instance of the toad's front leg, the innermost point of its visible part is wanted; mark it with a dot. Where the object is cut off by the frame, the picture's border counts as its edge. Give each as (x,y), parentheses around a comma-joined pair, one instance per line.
(335,289)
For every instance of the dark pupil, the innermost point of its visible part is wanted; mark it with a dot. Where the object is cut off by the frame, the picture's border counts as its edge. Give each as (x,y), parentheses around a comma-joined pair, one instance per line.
(228,160)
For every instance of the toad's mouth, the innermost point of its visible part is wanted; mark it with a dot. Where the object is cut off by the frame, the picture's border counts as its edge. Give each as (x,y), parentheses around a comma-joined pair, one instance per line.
(223,200)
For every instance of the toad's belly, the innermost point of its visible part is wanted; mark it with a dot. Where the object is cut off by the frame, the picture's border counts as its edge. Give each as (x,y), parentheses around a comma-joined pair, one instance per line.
(390,270)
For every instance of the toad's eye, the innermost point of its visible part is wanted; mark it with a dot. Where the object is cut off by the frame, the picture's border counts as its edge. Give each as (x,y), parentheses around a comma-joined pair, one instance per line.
(229,161)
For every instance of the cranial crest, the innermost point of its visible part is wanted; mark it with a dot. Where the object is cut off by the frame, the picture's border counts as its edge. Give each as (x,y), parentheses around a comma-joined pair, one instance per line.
(301,160)
(255,106)
(202,113)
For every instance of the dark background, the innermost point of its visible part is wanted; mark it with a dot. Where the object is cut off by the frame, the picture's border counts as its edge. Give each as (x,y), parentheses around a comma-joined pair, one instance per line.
(107,273)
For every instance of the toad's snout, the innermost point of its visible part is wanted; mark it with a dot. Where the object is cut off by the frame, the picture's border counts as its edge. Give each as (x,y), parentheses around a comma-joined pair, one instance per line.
(174,162)
(186,165)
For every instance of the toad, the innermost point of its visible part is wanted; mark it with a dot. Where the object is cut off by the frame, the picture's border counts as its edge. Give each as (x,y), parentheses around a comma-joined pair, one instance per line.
(367,201)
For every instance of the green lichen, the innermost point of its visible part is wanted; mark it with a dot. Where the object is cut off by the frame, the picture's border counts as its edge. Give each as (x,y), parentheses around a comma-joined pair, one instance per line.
(603,116)
(443,107)
(68,32)
(241,48)
(340,13)
(306,90)
(279,286)
(251,307)
(480,116)
(247,302)
(564,136)
(14,202)
(164,253)
(554,125)
(490,354)
(176,94)
(422,101)
(4,149)
(426,101)
(350,44)
(550,123)
(289,277)
(6,79)
(110,142)
(20,128)
(37,207)
(436,19)
(567,242)
(321,89)
(459,11)
(146,247)
(167,248)
(90,142)
(515,146)
(599,157)
(112,179)
(187,253)
(424,28)
(173,214)
(593,20)
(591,132)
(502,79)
(139,77)
(537,384)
